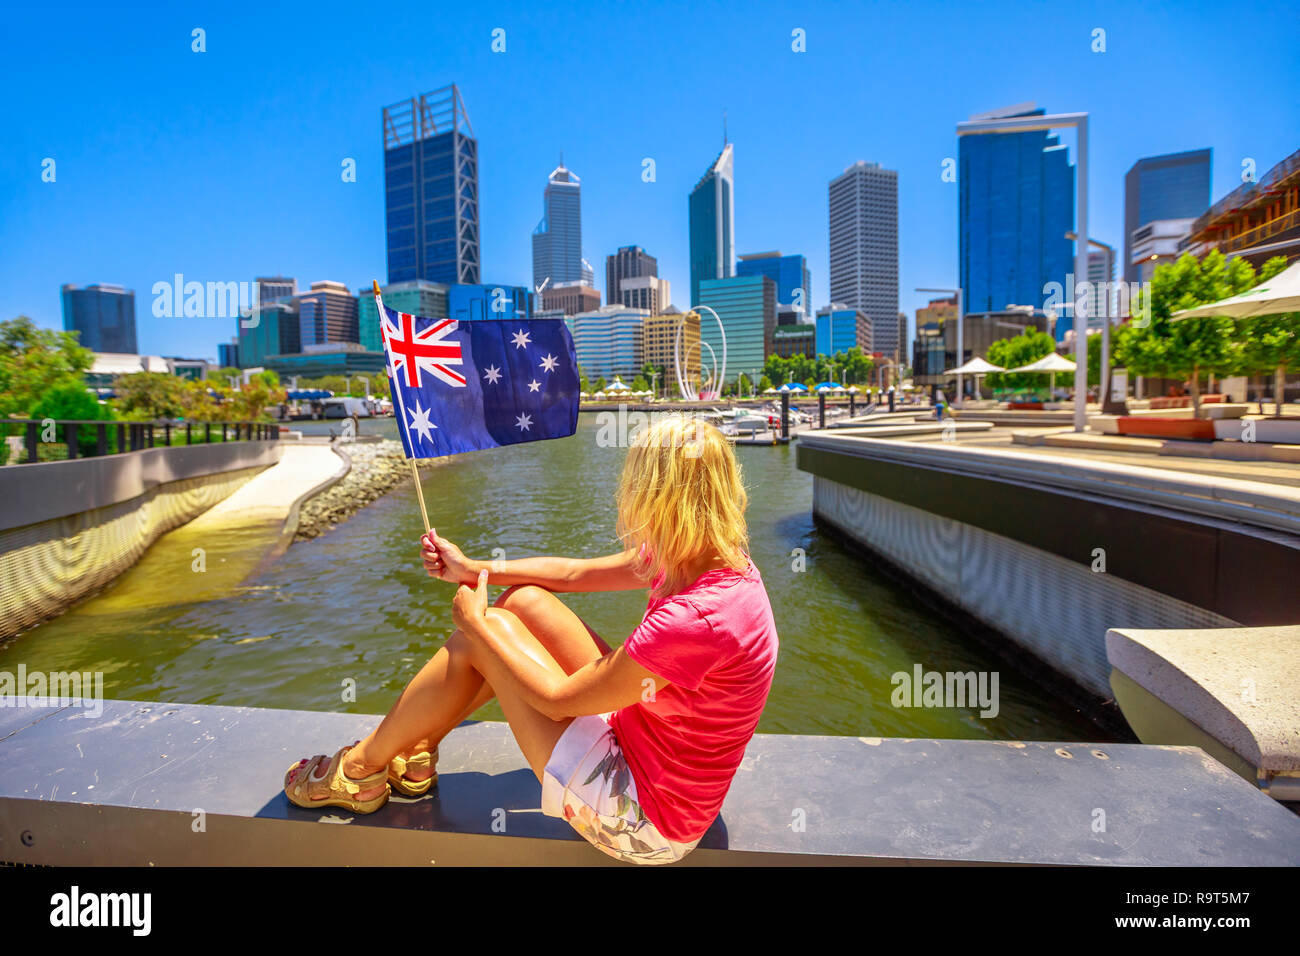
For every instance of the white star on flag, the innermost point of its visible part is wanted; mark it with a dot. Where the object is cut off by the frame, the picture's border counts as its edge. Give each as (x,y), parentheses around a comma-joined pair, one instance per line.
(420,422)
(522,422)
(534,385)
(549,363)
(493,374)
(520,339)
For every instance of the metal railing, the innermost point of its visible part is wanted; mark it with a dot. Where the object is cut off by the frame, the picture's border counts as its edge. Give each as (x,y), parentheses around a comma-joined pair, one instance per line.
(31,440)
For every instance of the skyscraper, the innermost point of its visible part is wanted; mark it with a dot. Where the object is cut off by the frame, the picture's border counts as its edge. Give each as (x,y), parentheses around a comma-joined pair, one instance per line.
(713,223)
(327,314)
(1015,205)
(628,263)
(790,273)
(275,288)
(103,314)
(557,240)
(863,203)
(431,189)
(1172,186)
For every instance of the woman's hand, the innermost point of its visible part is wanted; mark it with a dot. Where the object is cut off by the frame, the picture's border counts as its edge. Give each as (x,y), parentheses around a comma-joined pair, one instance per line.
(444,561)
(469,606)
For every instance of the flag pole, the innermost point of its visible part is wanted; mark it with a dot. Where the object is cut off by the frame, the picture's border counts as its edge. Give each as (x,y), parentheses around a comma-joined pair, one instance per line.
(397,393)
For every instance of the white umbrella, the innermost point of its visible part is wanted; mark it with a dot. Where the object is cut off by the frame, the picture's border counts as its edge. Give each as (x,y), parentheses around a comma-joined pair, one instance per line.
(617,386)
(977,367)
(1052,363)
(769,391)
(1279,294)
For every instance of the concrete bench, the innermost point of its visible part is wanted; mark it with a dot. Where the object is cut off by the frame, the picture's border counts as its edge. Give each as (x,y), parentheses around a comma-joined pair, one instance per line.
(1234,692)
(178,784)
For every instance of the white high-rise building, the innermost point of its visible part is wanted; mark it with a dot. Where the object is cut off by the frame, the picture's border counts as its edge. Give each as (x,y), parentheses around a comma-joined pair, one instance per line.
(864,248)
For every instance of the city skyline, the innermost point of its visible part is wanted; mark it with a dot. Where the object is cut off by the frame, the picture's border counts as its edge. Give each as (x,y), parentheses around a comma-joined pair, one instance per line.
(223,200)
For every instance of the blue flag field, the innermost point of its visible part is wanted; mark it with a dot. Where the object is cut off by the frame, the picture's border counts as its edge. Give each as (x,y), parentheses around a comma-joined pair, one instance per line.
(465,386)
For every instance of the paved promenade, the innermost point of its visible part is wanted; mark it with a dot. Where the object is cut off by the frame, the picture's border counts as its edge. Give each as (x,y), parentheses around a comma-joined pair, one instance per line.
(228,541)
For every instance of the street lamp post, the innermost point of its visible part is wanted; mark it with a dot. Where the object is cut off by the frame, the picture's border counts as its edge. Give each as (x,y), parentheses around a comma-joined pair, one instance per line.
(1108,407)
(1025,124)
(961,354)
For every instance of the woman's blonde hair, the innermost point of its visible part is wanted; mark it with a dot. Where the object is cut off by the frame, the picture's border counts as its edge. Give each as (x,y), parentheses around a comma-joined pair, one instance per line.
(681,501)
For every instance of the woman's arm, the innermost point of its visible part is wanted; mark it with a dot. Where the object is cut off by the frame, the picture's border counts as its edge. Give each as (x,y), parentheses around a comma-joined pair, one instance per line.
(606,684)
(614,572)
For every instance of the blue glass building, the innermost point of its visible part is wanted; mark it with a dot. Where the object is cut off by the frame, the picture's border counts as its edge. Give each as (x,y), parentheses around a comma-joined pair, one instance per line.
(465,303)
(273,330)
(1015,205)
(839,330)
(431,189)
(1173,186)
(790,273)
(713,223)
(103,314)
(747,307)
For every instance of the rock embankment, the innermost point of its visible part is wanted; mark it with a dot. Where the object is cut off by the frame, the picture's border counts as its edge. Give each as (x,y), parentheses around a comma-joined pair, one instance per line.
(377,467)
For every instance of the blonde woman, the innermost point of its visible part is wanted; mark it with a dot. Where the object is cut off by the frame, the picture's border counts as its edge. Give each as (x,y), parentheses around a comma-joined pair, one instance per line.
(635,747)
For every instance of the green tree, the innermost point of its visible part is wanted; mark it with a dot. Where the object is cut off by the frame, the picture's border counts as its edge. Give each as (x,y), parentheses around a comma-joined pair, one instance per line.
(1188,348)
(34,360)
(146,396)
(70,401)
(1029,346)
(742,384)
(764,383)
(601,383)
(853,367)
(250,402)
(640,384)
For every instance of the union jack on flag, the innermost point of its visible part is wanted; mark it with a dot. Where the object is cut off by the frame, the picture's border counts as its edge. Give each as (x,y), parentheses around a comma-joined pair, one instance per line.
(466,385)
(413,352)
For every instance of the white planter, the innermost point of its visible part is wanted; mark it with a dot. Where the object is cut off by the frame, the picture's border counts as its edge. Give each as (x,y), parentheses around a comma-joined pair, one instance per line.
(1280,431)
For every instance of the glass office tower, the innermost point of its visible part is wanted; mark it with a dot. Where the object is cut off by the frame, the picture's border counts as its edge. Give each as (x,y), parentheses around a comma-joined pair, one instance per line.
(431,189)
(747,307)
(1015,205)
(862,212)
(557,240)
(713,223)
(790,273)
(103,314)
(1173,186)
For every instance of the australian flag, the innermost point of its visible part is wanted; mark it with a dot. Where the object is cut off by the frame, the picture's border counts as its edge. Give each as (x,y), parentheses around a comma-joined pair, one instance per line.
(464,385)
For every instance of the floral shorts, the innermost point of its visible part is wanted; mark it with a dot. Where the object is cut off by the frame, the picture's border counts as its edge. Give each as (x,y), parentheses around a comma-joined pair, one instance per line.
(588,783)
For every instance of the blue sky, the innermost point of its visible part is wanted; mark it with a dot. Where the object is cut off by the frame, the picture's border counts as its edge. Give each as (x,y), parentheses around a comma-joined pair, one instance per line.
(226,164)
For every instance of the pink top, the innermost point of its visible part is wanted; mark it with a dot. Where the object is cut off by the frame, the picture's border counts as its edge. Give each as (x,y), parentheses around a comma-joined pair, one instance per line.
(716,642)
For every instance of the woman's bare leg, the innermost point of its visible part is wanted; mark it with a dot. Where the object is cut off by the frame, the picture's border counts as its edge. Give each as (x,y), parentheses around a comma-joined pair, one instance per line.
(450,687)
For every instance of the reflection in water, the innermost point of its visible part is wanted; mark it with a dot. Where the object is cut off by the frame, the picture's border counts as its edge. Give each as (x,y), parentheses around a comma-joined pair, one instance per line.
(355,605)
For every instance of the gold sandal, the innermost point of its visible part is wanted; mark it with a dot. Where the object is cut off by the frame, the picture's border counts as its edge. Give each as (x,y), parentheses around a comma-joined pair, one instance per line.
(413,788)
(320,782)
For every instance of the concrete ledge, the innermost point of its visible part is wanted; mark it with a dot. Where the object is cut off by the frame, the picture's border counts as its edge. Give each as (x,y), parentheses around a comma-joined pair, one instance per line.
(1239,685)
(898,430)
(42,491)
(128,787)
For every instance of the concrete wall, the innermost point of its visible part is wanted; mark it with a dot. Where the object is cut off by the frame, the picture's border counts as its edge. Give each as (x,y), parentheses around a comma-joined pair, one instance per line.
(1054,609)
(1050,553)
(67,528)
